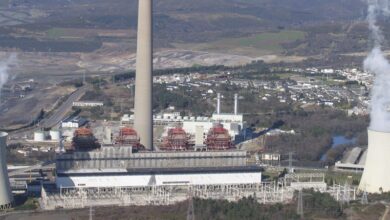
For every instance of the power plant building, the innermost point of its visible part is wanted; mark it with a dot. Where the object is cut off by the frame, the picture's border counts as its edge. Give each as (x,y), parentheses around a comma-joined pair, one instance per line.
(120,166)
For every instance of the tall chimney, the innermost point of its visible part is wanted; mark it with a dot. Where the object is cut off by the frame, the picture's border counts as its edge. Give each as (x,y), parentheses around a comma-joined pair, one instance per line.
(143,114)
(236,104)
(219,103)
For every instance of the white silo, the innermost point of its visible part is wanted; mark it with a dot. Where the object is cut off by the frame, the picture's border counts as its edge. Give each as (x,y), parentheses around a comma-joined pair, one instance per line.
(376,176)
(55,135)
(39,136)
(6,198)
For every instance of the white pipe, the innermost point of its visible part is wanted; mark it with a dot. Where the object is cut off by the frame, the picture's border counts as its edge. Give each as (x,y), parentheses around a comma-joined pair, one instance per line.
(219,103)
(236,104)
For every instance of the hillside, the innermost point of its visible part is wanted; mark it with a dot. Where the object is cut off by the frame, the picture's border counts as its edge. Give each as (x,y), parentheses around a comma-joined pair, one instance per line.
(100,35)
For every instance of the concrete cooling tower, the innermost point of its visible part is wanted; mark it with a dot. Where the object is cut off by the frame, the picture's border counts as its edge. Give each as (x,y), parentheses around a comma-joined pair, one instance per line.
(6,198)
(376,175)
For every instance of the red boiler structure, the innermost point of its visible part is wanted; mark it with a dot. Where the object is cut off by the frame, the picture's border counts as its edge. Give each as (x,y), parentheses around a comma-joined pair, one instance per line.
(218,138)
(128,136)
(176,140)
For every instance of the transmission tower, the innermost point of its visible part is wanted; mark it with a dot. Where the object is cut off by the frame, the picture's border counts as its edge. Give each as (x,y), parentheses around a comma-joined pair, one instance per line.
(364,200)
(91,213)
(190,210)
(300,204)
(346,194)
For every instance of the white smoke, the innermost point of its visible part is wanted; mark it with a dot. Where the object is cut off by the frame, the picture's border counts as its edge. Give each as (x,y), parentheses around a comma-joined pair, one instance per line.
(4,70)
(377,64)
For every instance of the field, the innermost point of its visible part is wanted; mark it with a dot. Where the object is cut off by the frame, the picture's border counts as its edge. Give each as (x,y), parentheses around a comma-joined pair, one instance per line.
(4,3)
(267,43)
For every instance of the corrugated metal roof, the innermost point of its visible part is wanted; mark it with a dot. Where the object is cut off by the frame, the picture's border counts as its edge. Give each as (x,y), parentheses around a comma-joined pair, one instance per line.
(353,155)
(159,180)
(362,160)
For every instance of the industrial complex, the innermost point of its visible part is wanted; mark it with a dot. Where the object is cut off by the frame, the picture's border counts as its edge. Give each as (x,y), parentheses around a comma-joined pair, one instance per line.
(194,156)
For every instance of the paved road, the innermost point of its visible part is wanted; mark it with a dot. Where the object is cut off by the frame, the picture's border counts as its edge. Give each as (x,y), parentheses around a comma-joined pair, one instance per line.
(384,217)
(62,111)
(47,164)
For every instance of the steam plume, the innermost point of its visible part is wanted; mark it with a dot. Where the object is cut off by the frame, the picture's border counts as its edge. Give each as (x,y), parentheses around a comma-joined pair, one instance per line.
(4,70)
(377,64)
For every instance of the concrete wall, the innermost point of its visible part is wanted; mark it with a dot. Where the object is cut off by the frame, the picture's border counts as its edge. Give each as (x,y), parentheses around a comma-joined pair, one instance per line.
(376,175)
(6,198)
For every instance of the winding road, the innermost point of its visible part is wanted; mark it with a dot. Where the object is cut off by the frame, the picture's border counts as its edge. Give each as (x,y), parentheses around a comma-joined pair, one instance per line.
(61,112)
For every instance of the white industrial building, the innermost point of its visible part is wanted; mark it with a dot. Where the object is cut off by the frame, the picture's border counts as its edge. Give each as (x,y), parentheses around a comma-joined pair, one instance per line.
(353,160)
(88,104)
(74,122)
(160,180)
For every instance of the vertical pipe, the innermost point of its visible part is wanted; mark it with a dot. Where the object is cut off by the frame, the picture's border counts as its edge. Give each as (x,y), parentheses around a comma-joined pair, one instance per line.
(219,103)
(236,104)
(143,118)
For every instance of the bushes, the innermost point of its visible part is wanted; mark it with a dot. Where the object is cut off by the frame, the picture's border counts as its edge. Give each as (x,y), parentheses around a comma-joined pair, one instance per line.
(246,208)
(321,204)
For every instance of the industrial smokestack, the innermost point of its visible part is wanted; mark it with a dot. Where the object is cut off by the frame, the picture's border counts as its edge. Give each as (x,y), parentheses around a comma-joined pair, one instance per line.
(6,198)
(143,114)
(236,104)
(219,103)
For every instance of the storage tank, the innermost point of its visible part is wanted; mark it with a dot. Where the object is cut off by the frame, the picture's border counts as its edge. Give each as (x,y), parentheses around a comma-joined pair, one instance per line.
(55,135)
(39,136)
(6,198)
(376,177)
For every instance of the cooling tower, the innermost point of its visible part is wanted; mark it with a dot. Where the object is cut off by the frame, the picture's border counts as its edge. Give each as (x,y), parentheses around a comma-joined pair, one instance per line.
(143,115)
(6,198)
(376,175)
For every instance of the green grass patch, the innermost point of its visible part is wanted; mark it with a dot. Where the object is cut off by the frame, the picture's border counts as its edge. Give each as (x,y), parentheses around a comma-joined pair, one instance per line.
(55,33)
(266,41)
(271,41)
(343,177)
(4,3)
(24,203)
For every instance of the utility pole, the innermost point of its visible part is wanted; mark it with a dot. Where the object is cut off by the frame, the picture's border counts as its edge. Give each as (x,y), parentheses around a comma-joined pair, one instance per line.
(290,161)
(83,77)
(190,210)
